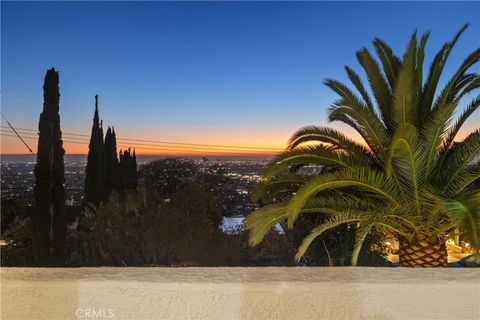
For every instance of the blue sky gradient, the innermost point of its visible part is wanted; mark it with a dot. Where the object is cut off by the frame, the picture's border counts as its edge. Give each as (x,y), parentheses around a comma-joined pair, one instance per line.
(207,72)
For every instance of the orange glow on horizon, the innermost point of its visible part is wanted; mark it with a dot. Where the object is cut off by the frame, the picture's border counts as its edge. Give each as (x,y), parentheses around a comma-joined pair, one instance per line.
(265,143)
(11,145)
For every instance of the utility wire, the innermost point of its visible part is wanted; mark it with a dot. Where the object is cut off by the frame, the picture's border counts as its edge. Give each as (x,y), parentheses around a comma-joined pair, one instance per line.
(26,145)
(155,149)
(168,142)
(181,148)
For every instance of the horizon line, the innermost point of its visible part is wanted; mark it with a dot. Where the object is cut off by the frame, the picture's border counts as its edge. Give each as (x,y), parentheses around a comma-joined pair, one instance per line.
(162,154)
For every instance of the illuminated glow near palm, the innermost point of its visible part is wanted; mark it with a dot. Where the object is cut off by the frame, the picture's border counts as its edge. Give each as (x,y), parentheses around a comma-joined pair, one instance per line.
(242,75)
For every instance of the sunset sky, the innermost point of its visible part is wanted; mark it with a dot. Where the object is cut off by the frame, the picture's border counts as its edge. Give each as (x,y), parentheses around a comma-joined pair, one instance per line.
(215,73)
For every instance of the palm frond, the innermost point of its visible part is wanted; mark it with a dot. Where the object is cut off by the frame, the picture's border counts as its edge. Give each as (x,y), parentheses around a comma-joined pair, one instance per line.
(363,179)
(458,81)
(470,85)
(405,92)
(419,66)
(319,155)
(364,228)
(262,220)
(434,130)
(331,223)
(400,223)
(463,180)
(390,62)
(379,86)
(329,136)
(341,116)
(372,132)
(268,190)
(465,212)
(347,200)
(406,157)
(358,110)
(357,82)
(436,68)
(457,159)
(367,121)
(469,110)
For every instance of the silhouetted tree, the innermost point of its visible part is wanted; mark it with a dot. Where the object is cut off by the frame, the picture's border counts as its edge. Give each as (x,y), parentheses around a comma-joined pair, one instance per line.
(49,221)
(94,183)
(134,171)
(11,208)
(105,172)
(168,175)
(128,176)
(111,162)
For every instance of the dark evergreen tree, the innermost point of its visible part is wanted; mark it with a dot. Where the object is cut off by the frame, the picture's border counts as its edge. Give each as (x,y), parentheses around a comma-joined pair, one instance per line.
(111,162)
(128,171)
(133,171)
(49,221)
(104,171)
(94,183)
(122,175)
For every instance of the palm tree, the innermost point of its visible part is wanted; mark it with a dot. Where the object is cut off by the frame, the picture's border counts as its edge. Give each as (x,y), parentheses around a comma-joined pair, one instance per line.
(409,177)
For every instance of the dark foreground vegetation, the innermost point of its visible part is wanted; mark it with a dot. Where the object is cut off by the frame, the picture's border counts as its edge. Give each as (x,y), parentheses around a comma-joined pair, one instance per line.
(176,222)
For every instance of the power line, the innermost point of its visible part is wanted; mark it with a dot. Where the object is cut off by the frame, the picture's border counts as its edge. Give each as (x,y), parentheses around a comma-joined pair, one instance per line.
(26,145)
(154,149)
(181,148)
(168,142)
(137,146)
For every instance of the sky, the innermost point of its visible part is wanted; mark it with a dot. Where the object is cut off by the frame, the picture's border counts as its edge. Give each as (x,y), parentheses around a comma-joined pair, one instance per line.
(245,74)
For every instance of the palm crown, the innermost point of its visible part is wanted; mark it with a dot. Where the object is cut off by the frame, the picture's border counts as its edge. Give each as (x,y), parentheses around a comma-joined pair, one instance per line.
(410,177)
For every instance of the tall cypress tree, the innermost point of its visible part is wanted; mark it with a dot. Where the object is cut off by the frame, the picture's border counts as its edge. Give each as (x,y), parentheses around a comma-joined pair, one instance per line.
(111,162)
(94,183)
(49,221)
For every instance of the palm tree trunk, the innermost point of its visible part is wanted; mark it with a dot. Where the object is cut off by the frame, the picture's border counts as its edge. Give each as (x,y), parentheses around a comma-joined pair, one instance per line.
(423,254)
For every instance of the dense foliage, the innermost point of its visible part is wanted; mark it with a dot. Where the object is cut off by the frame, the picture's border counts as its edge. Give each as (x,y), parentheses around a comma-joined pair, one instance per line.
(49,221)
(144,229)
(167,176)
(19,249)
(11,208)
(408,177)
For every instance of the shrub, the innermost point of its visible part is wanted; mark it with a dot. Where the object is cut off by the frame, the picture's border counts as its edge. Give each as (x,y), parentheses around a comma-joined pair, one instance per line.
(147,230)
(169,175)
(18,249)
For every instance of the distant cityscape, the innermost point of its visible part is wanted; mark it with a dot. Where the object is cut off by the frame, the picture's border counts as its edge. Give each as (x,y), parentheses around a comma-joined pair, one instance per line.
(18,179)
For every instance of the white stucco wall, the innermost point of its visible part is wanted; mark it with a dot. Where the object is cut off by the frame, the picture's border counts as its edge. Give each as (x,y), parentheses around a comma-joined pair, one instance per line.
(239,293)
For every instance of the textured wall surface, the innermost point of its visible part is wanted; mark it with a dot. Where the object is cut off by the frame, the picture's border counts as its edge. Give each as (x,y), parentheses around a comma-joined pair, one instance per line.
(239,293)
